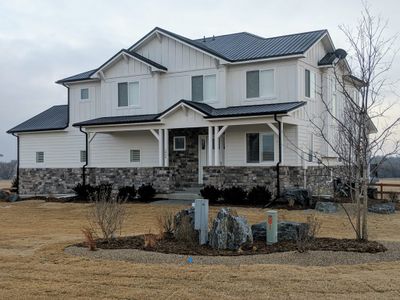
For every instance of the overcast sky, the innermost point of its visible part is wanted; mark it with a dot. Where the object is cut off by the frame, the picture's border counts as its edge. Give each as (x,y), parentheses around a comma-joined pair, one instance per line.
(42,41)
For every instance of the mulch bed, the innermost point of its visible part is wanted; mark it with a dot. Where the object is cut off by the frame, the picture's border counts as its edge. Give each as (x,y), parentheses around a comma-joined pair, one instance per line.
(171,245)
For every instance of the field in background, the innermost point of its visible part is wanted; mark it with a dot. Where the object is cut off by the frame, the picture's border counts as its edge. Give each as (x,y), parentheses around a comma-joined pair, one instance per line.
(5,184)
(33,235)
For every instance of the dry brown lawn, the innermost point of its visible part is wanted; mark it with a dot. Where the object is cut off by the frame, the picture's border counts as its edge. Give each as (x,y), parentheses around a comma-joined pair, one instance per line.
(33,265)
(5,184)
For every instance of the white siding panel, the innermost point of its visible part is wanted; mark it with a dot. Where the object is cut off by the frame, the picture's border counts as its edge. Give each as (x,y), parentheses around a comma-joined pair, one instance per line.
(113,150)
(61,149)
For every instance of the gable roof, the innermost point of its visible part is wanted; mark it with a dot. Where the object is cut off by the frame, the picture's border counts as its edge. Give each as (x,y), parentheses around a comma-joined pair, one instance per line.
(54,118)
(208,111)
(236,47)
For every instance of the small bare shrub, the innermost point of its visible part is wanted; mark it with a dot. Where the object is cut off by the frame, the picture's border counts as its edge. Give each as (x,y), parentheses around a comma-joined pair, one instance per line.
(185,233)
(394,197)
(306,236)
(165,222)
(107,214)
(150,241)
(90,240)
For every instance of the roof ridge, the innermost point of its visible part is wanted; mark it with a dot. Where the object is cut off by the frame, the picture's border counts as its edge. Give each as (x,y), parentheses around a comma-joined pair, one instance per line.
(226,34)
(298,33)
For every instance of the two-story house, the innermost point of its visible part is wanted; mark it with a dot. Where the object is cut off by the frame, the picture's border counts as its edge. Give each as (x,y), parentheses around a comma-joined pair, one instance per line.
(226,110)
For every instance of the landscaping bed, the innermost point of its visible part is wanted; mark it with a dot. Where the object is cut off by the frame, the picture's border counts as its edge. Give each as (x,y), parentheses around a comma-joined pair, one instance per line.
(170,245)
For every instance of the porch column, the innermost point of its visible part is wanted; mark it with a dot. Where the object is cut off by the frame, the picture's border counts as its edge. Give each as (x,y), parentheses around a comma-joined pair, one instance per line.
(216,146)
(210,141)
(281,141)
(160,147)
(166,148)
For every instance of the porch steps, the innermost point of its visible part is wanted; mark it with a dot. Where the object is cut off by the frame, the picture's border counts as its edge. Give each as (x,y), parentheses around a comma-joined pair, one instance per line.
(189,194)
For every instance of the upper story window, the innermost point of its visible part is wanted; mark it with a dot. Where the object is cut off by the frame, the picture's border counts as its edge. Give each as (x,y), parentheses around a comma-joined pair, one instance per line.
(260,147)
(260,84)
(204,88)
(309,84)
(85,94)
(128,94)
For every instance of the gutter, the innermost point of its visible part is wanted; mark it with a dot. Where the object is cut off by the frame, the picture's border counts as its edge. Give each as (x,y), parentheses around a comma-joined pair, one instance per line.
(278,183)
(87,156)
(17,178)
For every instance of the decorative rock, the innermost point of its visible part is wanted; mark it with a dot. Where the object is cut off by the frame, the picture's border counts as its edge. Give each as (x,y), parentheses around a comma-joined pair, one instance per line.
(383,208)
(184,225)
(286,231)
(326,207)
(3,195)
(299,195)
(13,198)
(229,231)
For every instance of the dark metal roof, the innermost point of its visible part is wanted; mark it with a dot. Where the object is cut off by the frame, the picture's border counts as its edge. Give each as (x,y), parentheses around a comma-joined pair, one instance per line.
(209,112)
(328,59)
(55,118)
(245,46)
(87,75)
(119,120)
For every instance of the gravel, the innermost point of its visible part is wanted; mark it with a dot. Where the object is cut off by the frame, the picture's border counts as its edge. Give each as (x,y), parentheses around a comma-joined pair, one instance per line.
(311,258)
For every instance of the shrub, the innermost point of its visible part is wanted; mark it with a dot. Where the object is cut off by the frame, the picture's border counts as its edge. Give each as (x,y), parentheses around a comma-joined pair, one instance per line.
(305,237)
(185,234)
(393,197)
(259,195)
(14,183)
(166,222)
(150,241)
(211,193)
(146,192)
(83,192)
(234,195)
(127,193)
(89,238)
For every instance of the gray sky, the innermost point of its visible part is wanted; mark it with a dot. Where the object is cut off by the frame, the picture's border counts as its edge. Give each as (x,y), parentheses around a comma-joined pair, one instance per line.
(42,41)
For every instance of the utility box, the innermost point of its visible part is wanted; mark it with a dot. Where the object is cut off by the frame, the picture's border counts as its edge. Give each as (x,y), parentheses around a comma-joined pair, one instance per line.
(272,227)
(201,219)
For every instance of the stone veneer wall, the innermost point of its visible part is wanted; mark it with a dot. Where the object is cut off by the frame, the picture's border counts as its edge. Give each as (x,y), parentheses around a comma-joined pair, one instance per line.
(162,178)
(45,181)
(186,162)
(318,179)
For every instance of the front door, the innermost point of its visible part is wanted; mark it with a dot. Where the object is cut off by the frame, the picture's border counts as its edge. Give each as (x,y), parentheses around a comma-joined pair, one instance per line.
(203,141)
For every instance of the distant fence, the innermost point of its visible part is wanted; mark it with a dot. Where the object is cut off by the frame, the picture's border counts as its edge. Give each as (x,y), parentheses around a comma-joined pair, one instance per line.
(381,188)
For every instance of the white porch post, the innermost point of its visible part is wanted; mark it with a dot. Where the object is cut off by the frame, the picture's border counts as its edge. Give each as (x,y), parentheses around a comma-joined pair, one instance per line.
(161,147)
(281,141)
(216,146)
(210,140)
(166,148)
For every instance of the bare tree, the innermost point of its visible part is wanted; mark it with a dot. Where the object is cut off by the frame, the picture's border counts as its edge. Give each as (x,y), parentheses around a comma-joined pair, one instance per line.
(360,104)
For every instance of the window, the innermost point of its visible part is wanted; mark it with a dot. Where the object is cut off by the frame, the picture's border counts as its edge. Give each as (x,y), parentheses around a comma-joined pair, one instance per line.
(40,157)
(179,143)
(135,155)
(309,81)
(83,155)
(128,94)
(260,147)
(260,84)
(204,88)
(84,94)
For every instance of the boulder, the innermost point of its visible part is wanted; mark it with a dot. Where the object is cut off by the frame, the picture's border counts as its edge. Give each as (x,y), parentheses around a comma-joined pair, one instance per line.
(229,231)
(326,207)
(298,195)
(3,195)
(286,231)
(383,208)
(13,198)
(184,226)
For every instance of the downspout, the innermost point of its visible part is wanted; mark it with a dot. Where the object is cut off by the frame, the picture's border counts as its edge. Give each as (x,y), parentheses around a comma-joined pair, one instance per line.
(17,161)
(278,182)
(87,156)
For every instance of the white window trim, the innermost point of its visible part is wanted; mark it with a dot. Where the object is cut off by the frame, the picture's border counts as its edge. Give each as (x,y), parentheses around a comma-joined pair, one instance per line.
(140,156)
(312,73)
(216,88)
(129,106)
(260,98)
(261,162)
(80,94)
(184,143)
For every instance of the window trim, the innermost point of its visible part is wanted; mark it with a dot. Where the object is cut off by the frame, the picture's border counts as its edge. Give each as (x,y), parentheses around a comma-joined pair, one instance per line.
(184,143)
(88,94)
(312,74)
(216,88)
(139,92)
(37,157)
(273,96)
(130,156)
(260,162)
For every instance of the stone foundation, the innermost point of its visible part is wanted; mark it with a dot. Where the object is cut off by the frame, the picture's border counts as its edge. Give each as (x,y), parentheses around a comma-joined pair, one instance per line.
(316,179)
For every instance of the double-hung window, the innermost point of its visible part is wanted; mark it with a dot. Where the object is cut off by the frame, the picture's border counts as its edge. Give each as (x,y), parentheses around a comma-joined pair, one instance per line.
(204,88)
(260,84)
(309,84)
(260,147)
(128,94)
